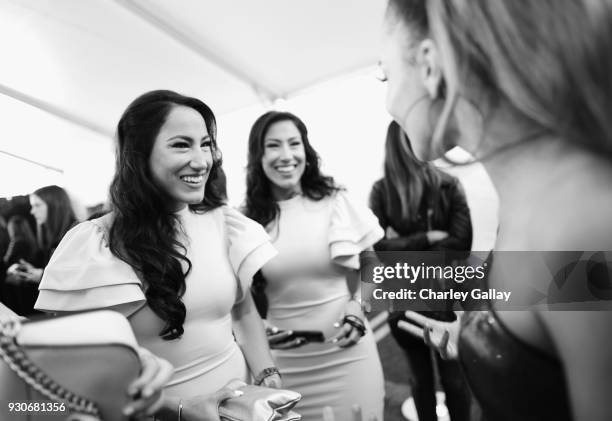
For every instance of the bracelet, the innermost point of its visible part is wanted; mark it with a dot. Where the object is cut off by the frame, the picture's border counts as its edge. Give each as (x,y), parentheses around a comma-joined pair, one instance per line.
(355,322)
(264,374)
(180,409)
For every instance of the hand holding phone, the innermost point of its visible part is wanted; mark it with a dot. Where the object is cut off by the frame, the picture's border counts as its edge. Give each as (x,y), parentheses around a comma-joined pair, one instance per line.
(310,335)
(288,339)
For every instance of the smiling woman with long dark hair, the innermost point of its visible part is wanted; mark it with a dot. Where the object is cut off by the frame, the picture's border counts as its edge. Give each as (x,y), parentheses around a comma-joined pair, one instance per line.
(261,195)
(312,283)
(171,256)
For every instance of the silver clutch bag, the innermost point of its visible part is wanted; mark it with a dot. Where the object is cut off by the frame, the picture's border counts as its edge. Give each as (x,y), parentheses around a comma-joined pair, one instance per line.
(258,403)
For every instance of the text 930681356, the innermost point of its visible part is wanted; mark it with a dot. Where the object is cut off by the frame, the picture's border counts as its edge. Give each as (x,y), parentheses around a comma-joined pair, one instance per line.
(36,407)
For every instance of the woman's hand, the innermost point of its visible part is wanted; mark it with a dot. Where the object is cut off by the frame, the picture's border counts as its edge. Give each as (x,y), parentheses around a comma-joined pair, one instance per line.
(282,339)
(352,326)
(274,381)
(442,336)
(390,233)
(436,236)
(206,407)
(32,276)
(28,273)
(147,390)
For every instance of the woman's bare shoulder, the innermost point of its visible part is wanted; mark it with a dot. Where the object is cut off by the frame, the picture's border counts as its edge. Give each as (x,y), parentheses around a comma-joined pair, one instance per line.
(575,214)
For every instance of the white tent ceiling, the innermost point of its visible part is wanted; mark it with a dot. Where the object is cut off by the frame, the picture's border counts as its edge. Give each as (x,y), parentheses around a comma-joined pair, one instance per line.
(85,60)
(68,68)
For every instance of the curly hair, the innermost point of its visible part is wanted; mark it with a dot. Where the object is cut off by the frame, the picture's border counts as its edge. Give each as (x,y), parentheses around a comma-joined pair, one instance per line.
(143,232)
(260,205)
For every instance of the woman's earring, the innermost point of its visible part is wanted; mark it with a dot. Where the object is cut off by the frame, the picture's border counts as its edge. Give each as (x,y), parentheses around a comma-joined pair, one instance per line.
(435,85)
(442,89)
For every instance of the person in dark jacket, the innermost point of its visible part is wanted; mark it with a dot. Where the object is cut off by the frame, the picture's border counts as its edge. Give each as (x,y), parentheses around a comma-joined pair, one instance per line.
(422,208)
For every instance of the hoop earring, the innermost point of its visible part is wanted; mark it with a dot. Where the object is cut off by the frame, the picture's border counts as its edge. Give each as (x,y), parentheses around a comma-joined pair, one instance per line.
(480,133)
(442,125)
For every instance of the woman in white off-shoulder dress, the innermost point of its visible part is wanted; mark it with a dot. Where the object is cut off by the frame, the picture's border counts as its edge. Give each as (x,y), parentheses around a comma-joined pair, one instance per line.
(313,282)
(171,256)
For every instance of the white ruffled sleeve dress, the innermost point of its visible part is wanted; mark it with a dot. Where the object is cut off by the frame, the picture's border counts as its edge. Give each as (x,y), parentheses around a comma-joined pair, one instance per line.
(225,249)
(307,290)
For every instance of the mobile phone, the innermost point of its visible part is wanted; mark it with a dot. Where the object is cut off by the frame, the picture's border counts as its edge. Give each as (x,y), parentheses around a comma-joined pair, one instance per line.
(309,335)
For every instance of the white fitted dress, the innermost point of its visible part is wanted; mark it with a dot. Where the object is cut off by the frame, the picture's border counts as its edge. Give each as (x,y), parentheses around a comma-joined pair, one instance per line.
(306,288)
(225,249)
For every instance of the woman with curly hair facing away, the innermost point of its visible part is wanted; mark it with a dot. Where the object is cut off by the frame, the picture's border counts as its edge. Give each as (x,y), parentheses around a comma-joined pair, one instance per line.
(171,255)
(312,283)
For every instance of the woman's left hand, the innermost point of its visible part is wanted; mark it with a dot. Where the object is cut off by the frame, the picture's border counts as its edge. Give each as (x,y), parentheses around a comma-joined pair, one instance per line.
(147,389)
(349,334)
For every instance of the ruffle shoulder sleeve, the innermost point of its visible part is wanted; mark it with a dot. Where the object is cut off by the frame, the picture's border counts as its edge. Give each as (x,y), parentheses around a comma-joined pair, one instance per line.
(353,229)
(249,247)
(83,274)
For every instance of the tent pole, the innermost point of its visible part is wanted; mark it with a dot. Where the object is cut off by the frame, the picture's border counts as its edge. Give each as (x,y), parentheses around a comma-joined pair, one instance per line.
(182,38)
(54,110)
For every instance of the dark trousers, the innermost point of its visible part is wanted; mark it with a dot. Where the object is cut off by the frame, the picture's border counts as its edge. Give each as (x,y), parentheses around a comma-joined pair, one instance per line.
(458,396)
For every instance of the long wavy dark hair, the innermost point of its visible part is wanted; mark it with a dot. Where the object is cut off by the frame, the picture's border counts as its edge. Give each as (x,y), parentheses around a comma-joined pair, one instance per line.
(260,204)
(60,218)
(144,229)
(408,181)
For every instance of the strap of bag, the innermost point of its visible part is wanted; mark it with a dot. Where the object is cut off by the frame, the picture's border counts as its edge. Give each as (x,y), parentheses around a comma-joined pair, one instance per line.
(18,362)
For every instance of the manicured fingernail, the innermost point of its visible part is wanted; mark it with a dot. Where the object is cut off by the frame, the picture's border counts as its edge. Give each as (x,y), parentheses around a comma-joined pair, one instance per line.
(334,340)
(337,324)
(128,411)
(238,393)
(147,392)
